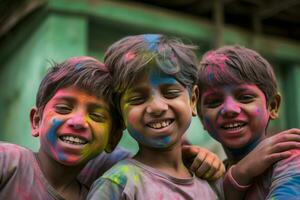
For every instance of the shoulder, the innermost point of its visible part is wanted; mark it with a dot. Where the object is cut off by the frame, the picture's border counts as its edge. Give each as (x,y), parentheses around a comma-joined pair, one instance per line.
(123,172)
(285,181)
(288,165)
(117,182)
(13,152)
(99,165)
(14,159)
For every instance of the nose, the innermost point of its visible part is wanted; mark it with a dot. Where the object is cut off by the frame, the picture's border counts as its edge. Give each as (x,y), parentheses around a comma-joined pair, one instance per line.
(77,121)
(156,106)
(230,108)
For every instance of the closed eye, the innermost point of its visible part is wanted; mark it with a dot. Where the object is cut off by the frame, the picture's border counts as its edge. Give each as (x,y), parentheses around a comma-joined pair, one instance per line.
(246,98)
(63,108)
(136,100)
(212,102)
(172,93)
(98,117)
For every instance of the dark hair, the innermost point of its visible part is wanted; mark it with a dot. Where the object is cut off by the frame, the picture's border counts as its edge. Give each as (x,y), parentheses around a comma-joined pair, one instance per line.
(236,65)
(126,58)
(84,72)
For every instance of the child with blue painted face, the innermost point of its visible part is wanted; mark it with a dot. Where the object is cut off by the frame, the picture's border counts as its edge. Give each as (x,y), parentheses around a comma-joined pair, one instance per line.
(154,80)
(238,97)
(75,122)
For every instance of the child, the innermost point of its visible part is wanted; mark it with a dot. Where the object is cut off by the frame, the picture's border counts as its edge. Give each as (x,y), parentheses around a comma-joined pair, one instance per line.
(75,122)
(154,78)
(237,98)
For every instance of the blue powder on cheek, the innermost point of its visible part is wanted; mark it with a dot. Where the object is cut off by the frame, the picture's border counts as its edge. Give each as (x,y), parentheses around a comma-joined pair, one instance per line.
(51,134)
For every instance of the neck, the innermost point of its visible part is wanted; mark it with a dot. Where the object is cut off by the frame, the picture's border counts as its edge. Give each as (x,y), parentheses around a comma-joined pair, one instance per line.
(61,177)
(168,160)
(235,155)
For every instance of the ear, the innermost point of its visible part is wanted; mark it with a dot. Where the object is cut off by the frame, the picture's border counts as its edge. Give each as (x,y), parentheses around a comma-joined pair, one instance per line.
(34,122)
(114,138)
(273,107)
(194,99)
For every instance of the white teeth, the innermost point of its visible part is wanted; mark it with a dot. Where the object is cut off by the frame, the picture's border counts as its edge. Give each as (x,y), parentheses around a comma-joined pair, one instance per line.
(233,125)
(73,140)
(158,125)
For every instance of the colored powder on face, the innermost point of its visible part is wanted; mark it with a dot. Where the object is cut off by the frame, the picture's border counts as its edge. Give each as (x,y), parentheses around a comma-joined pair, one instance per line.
(157,78)
(156,143)
(152,41)
(51,134)
(61,156)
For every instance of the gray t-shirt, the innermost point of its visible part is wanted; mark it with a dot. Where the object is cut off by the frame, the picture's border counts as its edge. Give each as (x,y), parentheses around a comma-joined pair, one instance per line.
(130,179)
(21,177)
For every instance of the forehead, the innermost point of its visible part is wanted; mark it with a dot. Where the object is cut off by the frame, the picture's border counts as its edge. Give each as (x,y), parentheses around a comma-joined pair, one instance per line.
(157,77)
(153,77)
(231,88)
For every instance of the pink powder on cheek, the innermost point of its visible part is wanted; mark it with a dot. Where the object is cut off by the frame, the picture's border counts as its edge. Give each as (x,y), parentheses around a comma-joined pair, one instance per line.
(132,120)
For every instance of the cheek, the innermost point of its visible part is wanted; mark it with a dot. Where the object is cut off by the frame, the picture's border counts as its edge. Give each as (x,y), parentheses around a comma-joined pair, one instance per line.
(130,116)
(261,116)
(208,125)
(51,134)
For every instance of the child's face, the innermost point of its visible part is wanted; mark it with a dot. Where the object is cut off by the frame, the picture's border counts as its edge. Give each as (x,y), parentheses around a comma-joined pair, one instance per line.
(157,109)
(75,126)
(235,115)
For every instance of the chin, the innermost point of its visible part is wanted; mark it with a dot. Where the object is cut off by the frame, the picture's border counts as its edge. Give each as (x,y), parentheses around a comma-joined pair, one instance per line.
(71,161)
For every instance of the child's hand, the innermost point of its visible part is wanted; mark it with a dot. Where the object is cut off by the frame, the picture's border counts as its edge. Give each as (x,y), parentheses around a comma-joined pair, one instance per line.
(266,153)
(202,162)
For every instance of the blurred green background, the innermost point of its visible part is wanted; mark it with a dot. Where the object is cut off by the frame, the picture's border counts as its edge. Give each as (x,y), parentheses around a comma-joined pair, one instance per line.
(35,32)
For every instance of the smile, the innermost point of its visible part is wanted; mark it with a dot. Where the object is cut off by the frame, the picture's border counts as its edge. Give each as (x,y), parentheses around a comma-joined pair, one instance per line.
(233,126)
(73,140)
(161,124)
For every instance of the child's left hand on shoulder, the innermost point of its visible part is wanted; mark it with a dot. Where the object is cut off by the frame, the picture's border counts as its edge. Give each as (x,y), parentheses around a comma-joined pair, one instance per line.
(204,163)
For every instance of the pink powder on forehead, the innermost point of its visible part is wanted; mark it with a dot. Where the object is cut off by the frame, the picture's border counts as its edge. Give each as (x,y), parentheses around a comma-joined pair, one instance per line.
(215,59)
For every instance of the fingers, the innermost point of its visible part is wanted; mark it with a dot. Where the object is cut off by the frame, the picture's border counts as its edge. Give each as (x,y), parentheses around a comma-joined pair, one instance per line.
(285,146)
(291,131)
(205,167)
(189,151)
(201,156)
(216,171)
(278,156)
(205,164)
(218,174)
